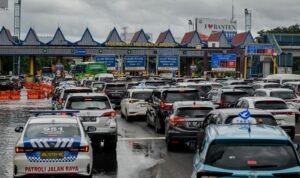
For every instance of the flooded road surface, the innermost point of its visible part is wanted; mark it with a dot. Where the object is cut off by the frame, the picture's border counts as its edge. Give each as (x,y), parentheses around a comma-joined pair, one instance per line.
(141,153)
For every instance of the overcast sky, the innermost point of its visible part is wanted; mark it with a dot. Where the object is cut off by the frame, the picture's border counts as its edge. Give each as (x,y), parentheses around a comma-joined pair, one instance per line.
(154,16)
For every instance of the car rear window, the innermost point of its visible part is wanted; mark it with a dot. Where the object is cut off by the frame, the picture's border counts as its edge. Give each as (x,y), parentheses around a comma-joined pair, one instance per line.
(52,130)
(233,97)
(116,87)
(173,96)
(251,155)
(98,85)
(131,85)
(194,112)
(260,119)
(67,92)
(272,86)
(202,90)
(249,90)
(141,95)
(88,103)
(270,105)
(283,94)
(155,84)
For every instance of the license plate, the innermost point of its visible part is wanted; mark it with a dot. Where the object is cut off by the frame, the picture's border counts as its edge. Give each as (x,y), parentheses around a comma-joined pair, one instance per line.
(52,155)
(115,94)
(88,119)
(194,124)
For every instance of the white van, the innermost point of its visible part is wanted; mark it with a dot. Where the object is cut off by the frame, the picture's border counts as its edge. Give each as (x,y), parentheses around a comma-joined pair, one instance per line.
(104,77)
(282,78)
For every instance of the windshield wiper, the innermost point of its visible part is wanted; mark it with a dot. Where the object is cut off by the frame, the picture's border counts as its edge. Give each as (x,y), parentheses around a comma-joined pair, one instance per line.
(263,166)
(92,108)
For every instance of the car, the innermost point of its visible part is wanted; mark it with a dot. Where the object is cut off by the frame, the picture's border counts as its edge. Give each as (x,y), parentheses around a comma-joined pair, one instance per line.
(161,101)
(184,122)
(134,103)
(202,87)
(98,86)
(115,91)
(283,93)
(51,145)
(285,116)
(6,83)
(96,111)
(104,77)
(259,85)
(196,80)
(234,82)
(227,116)
(293,86)
(282,78)
(69,90)
(249,89)
(226,98)
(243,150)
(155,83)
(130,85)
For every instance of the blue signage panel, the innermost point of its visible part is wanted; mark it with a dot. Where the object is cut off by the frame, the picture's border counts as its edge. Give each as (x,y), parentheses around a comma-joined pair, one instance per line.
(79,51)
(259,49)
(223,62)
(110,61)
(134,62)
(168,63)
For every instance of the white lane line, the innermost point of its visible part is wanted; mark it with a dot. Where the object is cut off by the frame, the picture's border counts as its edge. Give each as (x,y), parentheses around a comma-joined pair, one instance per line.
(142,138)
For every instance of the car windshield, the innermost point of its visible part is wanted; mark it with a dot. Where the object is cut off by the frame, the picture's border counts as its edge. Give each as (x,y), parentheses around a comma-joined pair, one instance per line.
(141,95)
(233,97)
(270,105)
(249,90)
(283,94)
(260,119)
(88,103)
(115,87)
(67,92)
(98,85)
(251,155)
(193,112)
(171,97)
(52,130)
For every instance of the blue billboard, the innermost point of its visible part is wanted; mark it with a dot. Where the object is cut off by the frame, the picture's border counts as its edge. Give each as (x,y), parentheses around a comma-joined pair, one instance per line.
(134,62)
(79,51)
(223,62)
(110,61)
(260,49)
(168,63)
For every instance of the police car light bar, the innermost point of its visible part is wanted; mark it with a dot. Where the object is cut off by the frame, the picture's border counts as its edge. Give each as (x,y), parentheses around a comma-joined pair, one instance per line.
(53,112)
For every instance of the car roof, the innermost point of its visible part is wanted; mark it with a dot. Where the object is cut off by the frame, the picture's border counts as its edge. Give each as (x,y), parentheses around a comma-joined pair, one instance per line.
(77,88)
(230,90)
(45,119)
(87,94)
(274,89)
(177,89)
(140,89)
(254,99)
(236,111)
(297,83)
(266,83)
(183,104)
(235,131)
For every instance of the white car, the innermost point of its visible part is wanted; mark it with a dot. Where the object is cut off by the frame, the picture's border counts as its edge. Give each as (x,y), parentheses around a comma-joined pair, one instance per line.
(97,111)
(53,145)
(134,103)
(285,117)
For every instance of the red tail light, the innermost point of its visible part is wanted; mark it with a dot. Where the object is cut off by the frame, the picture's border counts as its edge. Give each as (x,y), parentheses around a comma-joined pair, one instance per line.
(165,106)
(298,93)
(23,150)
(210,173)
(81,149)
(174,120)
(111,114)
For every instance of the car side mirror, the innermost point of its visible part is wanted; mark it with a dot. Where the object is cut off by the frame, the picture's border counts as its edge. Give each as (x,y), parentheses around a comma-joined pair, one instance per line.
(19,129)
(113,106)
(91,129)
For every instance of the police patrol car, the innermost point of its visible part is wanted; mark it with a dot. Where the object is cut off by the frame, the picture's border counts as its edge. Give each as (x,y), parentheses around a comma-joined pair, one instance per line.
(53,145)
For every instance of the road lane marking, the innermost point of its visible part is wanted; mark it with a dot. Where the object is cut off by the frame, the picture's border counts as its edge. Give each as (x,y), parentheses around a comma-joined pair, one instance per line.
(142,138)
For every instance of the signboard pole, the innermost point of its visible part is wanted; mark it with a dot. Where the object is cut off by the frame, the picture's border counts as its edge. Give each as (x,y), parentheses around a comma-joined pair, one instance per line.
(156,70)
(245,67)
(274,64)
(147,70)
(193,63)
(178,71)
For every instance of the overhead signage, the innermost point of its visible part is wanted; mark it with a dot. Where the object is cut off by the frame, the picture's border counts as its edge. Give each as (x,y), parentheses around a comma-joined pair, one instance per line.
(260,49)
(110,61)
(223,62)
(79,51)
(135,63)
(121,44)
(167,63)
(209,25)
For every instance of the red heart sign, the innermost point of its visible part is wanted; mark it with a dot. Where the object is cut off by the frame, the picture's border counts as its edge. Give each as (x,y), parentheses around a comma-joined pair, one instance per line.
(210,26)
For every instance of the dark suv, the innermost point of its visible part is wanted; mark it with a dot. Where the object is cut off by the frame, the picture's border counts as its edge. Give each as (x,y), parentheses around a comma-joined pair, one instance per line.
(115,92)
(226,98)
(161,101)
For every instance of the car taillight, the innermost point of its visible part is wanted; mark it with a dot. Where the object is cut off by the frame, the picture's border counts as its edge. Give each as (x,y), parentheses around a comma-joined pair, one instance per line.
(80,149)
(133,101)
(23,150)
(165,106)
(201,174)
(111,114)
(174,120)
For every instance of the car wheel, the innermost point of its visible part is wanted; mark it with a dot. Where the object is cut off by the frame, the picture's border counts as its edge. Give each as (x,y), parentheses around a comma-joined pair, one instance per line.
(147,120)
(127,118)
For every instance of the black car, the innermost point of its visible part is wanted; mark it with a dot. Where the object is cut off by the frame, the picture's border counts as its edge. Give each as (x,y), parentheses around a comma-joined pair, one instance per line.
(6,84)
(161,101)
(115,92)
(226,98)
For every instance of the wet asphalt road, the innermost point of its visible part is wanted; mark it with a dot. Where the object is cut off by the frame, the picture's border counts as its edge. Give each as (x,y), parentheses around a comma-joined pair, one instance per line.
(141,153)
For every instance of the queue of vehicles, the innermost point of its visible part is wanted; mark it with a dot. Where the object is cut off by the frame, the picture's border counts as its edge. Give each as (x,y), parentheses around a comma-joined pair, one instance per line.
(237,131)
